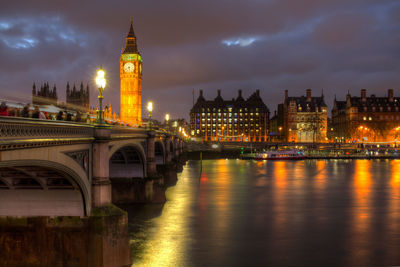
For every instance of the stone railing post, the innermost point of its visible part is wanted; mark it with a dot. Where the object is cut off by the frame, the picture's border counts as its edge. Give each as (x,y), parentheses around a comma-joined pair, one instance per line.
(101,185)
(167,149)
(151,162)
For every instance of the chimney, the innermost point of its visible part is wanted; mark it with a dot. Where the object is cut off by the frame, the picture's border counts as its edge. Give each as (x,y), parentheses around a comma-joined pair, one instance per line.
(258,92)
(286,94)
(219,92)
(364,94)
(240,93)
(308,95)
(201,93)
(390,95)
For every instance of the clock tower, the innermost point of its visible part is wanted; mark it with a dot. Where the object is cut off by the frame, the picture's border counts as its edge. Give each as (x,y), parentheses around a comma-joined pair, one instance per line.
(131,81)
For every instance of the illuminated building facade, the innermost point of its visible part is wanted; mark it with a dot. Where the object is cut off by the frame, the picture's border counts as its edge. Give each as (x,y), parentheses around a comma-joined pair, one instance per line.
(234,120)
(305,118)
(131,81)
(366,119)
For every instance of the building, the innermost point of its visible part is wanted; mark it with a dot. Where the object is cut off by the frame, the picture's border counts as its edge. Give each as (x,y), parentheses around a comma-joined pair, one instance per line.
(230,120)
(44,95)
(131,81)
(305,118)
(276,132)
(366,119)
(78,98)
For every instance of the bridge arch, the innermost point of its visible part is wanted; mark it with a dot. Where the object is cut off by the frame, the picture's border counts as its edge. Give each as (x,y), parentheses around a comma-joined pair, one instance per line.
(42,188)
(127,160)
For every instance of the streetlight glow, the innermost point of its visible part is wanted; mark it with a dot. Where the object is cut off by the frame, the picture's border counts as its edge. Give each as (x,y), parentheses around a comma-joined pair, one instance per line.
(100,79)
(166,117)
(150,106)
(101,84)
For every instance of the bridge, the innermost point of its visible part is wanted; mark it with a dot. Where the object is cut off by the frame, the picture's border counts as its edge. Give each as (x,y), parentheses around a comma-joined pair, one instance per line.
(57,168)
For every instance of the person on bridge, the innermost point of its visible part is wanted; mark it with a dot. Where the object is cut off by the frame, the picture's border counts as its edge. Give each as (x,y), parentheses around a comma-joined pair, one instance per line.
(36,113)
(3,109)
(60,116)
(25,111)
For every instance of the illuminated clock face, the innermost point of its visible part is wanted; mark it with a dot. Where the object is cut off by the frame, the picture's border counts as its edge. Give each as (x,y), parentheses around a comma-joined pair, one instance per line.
(129,67)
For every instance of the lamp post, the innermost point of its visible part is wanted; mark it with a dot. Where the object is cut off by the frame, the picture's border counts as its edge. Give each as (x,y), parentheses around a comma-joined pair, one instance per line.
(150,109)
(101,84)
(280,133)
(176,126)
(167,122)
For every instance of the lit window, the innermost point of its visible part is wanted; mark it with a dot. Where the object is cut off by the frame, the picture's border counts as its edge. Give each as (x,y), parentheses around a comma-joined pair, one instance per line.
(365,118)
(370,118)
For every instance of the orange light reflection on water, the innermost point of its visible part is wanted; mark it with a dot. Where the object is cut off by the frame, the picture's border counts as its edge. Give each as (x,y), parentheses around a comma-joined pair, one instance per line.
(360,213)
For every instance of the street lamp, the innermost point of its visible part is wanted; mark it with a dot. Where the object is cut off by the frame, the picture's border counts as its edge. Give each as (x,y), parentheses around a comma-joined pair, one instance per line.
(176,126)
(167,121)
(101,84)
(150,109)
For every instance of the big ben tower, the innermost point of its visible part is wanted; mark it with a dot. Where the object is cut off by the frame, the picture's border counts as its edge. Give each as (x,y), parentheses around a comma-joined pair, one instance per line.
(131,81)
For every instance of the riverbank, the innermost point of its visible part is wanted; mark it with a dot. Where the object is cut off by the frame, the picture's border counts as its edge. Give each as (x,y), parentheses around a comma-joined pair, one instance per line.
(236,154)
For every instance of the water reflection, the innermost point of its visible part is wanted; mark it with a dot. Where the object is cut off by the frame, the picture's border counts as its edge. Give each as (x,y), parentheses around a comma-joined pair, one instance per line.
(244,213)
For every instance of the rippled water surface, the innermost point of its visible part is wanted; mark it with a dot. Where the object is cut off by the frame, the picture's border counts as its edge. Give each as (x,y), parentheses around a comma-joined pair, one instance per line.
(282,213)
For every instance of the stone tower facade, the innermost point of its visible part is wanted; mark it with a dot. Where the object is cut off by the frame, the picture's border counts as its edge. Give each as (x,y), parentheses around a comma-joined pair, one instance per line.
(44,95)
(131,81)
(79,97)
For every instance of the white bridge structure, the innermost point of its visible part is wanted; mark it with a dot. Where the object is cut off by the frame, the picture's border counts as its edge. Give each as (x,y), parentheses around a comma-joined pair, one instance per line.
(57,168)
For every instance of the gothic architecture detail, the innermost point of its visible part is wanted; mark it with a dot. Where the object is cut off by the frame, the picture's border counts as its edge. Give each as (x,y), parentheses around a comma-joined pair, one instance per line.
(79,97)
(131,81)
(305,118)
(234,120)
(44,95)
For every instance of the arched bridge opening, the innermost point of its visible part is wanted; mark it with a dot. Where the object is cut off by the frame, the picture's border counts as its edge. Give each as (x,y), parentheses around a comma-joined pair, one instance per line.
(40,191)
(127,162)
(159,153)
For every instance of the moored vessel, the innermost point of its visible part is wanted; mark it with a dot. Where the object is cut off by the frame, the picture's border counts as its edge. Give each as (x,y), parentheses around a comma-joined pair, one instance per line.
(281,155)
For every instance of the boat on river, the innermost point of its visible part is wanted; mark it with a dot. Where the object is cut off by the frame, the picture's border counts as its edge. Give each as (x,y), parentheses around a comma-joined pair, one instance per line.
(293,154)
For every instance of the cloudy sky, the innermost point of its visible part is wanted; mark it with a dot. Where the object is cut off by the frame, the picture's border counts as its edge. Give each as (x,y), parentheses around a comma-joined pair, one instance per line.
(271,45)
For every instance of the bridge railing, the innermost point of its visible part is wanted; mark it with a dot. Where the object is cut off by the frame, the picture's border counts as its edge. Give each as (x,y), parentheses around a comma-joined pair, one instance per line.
(25,132)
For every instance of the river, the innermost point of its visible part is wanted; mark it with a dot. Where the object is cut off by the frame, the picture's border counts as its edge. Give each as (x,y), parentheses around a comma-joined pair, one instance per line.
(273,213)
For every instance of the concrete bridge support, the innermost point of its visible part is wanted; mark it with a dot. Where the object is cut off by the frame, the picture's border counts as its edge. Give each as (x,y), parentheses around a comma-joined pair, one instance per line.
(101,185)
(150,155)
(168,152)
(176,147)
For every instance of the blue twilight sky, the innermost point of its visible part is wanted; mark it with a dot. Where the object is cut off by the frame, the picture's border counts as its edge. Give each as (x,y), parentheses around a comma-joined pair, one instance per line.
(271,45)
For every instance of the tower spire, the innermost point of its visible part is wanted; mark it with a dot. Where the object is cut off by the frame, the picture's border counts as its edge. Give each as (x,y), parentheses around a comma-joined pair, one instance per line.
(130,43)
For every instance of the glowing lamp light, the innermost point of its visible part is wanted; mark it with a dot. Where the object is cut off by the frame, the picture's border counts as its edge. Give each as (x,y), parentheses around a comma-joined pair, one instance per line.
(100,79)
(150,106)
(167,117)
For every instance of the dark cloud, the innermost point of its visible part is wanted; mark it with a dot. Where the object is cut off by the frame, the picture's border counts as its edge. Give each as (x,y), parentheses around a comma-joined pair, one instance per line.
(268,45)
